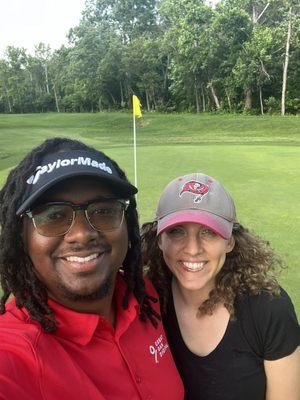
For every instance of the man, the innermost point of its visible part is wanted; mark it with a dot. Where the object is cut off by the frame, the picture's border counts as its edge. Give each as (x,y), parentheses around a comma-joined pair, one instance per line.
(82,324)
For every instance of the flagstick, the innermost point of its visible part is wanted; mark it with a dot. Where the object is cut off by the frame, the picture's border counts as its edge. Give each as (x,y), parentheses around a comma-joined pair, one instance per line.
(134,150)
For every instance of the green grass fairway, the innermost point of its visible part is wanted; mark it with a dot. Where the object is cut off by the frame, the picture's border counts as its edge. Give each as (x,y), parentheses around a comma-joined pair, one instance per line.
(257,159)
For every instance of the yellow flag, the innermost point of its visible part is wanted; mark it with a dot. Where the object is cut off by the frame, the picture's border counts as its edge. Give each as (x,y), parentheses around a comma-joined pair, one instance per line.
(136,106)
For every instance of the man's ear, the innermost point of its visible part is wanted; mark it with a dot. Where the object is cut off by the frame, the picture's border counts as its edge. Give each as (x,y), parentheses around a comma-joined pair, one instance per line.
(24,235)
(230,244)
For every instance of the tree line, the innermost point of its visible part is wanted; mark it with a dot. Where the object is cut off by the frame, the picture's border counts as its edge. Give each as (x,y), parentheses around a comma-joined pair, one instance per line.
(175,55)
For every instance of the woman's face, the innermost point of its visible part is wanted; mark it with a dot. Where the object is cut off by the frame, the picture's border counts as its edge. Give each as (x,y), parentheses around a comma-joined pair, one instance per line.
(194,255)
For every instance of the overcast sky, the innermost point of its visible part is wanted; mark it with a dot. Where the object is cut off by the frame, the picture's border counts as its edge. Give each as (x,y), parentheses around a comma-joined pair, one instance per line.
(24,23)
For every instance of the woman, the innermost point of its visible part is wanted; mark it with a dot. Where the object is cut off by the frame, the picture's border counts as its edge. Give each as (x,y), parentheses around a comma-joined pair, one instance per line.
(232,329)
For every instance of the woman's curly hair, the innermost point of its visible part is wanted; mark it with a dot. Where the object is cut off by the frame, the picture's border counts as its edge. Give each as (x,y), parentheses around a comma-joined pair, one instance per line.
(247,268)
(17,274)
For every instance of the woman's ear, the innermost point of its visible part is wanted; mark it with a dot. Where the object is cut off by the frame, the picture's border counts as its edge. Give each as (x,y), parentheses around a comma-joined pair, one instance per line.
(159,241)
(230,244)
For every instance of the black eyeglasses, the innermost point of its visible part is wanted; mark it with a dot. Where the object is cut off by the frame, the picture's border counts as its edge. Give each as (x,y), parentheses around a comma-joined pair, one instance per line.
(57,218)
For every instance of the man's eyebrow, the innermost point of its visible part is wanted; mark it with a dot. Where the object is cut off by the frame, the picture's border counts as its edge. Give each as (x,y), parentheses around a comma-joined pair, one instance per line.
(59,200)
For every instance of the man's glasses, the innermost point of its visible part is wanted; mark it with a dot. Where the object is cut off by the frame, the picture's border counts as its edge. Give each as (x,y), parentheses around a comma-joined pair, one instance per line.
(57,218)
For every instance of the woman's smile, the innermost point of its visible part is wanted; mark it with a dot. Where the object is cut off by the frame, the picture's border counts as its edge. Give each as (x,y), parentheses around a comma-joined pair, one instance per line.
(193,266)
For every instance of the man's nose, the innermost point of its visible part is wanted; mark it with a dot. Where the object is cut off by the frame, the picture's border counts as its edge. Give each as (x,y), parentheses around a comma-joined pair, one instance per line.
(81,230)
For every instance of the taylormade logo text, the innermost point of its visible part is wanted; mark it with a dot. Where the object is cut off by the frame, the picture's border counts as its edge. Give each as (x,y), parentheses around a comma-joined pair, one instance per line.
(48,168)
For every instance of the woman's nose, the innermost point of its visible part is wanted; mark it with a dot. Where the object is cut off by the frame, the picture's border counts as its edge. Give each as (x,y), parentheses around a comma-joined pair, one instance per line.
(193,245)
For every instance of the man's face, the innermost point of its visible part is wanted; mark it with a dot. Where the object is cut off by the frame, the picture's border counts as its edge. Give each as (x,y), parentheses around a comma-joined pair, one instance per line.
(81,265)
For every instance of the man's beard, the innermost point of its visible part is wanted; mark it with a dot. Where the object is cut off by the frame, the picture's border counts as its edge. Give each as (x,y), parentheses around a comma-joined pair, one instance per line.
(101,292)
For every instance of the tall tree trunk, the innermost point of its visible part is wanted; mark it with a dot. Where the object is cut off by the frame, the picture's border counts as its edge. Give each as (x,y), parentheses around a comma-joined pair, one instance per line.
(261,101)
(9,104)
(100,104)
(248,99)
(112,97)
(56,99)
(147,100)
(197,96)
(286,62)
(228,99)
(19,100)
(122,95)
(203,99)
(255,17)
(154,99)
(165,72)
(46,78)
(7,98)
(214,95)
(197,100)
(128,92)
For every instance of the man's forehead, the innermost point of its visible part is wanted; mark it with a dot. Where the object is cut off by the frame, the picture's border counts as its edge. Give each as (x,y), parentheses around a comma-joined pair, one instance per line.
(85,187)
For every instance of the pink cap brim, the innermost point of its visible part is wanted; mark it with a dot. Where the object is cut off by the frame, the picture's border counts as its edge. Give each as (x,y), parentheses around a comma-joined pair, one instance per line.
(217,224)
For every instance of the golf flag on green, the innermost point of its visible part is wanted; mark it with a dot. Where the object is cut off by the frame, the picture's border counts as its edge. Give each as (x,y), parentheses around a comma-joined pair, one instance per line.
(136,106)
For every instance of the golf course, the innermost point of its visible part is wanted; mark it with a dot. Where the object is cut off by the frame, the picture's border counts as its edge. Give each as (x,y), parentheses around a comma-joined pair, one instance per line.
(256,158)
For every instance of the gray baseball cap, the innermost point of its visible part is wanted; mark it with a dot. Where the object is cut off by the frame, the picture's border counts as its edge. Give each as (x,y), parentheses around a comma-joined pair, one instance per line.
(196,198)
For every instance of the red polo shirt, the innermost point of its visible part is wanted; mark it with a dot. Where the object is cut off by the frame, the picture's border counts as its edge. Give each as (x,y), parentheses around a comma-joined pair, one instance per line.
(86,358)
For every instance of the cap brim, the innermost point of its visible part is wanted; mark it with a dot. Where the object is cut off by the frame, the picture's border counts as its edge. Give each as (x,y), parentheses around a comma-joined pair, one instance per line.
(118,186)
(217,224)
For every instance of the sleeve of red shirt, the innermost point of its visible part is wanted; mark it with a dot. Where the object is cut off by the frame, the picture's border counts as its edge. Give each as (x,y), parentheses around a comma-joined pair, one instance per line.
(18,367)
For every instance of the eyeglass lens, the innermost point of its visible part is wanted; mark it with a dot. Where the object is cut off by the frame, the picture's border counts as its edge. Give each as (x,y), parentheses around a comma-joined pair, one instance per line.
(56,219)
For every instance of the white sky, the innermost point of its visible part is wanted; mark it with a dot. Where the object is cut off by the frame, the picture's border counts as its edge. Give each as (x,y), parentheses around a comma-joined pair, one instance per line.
(25,23)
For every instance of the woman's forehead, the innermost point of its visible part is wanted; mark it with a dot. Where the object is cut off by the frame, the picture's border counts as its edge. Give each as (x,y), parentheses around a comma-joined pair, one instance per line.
(189,225)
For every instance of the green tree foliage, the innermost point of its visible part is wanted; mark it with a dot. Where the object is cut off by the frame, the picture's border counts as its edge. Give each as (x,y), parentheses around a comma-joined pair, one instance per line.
(181,55)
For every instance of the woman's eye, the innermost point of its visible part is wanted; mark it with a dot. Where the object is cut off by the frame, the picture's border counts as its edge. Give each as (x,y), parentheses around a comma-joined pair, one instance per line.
(207,233)
(175,232)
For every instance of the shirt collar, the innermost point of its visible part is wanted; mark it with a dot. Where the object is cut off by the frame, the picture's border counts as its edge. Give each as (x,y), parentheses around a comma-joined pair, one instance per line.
(80,327)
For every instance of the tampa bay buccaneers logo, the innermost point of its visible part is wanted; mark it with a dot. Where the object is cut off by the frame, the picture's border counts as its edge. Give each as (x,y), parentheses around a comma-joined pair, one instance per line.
(196,188)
